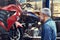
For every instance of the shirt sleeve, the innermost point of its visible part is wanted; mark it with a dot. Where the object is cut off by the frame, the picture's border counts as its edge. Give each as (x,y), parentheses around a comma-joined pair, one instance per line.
(46,33)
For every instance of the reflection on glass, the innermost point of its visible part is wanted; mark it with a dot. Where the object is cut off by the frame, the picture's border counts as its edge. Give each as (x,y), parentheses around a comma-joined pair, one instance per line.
(56,8)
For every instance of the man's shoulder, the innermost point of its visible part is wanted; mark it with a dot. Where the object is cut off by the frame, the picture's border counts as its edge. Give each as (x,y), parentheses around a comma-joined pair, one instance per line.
(51,23)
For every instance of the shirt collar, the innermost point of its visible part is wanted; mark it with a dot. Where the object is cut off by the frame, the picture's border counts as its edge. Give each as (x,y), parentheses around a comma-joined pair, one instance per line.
(48,20)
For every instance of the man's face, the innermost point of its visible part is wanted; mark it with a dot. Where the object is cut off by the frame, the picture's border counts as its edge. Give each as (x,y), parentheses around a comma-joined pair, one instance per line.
(41,17)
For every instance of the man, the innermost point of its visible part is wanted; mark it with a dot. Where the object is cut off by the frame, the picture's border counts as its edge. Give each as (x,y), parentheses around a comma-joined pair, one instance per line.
(48,25)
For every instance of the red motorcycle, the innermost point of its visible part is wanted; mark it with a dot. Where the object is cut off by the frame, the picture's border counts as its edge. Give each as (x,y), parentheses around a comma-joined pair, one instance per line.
(9,15)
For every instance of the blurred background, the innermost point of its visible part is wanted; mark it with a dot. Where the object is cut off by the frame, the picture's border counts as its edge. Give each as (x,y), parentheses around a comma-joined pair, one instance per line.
(29,19)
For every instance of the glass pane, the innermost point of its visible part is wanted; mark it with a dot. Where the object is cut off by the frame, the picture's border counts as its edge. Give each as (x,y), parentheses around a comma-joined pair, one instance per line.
(37,4)
(56,8)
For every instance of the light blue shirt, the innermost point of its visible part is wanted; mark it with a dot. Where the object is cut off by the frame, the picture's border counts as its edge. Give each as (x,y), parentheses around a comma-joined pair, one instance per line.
(49,30)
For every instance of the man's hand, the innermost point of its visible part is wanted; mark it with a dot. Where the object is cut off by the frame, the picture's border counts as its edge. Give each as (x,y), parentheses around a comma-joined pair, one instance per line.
(18,24)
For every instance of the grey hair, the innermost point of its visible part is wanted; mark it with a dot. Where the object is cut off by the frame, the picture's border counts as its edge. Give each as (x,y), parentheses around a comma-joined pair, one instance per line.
(46,11)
